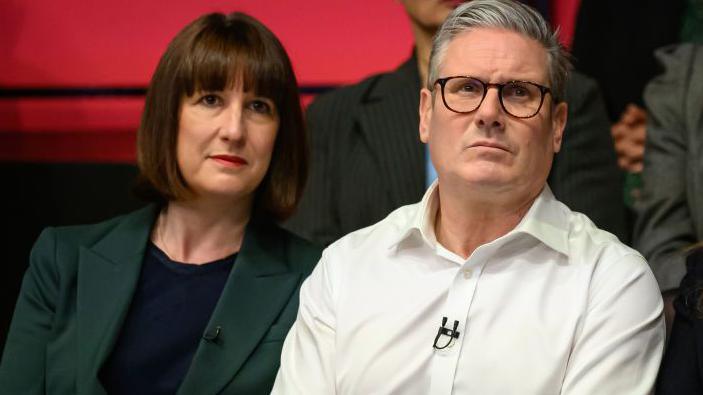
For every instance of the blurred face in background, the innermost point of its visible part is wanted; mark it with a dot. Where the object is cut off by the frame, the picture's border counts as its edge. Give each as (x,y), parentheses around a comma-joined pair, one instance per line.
(429,14)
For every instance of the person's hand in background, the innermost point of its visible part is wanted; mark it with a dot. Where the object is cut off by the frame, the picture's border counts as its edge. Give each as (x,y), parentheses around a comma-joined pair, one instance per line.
(629,135)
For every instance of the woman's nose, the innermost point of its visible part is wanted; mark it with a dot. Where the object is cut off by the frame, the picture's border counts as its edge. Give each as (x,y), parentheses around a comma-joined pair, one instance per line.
(232,127)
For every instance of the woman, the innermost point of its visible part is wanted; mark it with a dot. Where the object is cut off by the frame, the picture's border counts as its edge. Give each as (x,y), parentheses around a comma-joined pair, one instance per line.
(195,293)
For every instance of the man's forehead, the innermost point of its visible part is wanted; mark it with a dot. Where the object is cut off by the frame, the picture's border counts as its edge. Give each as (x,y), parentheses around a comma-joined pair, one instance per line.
(495,53)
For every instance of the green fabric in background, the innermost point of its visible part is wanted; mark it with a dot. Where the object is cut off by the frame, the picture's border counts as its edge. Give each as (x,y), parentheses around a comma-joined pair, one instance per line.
(633,188)
(692,23)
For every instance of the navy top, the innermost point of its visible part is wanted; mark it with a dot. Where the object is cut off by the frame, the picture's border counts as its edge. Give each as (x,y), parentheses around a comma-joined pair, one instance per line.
(170,309)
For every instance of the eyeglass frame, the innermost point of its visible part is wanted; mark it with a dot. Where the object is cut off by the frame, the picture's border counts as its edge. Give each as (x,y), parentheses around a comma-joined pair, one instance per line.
(487,85)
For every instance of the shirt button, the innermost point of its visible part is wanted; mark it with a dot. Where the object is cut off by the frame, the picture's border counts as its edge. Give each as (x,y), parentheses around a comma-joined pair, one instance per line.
(467,273)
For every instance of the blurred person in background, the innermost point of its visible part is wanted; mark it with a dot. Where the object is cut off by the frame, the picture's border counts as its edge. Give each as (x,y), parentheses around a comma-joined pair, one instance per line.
(670,210)
(194,293)
(619,53)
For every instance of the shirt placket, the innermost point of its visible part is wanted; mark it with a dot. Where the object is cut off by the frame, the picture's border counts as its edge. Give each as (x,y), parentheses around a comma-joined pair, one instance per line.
(459,298)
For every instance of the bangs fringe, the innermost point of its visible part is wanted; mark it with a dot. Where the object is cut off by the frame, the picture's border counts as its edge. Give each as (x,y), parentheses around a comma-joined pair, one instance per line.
(224,57)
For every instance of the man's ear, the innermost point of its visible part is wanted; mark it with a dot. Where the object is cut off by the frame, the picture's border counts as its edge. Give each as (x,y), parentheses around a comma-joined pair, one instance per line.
(426,108)
(559,115)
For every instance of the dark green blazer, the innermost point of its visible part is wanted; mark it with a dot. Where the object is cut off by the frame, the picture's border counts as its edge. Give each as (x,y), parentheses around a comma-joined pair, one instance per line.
(79,286)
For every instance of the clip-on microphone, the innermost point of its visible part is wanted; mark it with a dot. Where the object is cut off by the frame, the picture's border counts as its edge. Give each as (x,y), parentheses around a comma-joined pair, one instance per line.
(452,333)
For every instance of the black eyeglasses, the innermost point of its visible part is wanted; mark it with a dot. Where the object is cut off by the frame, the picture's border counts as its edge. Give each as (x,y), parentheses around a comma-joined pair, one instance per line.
(463,94)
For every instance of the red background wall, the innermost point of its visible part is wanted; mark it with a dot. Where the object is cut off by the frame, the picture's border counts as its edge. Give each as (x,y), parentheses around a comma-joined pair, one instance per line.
(82,44)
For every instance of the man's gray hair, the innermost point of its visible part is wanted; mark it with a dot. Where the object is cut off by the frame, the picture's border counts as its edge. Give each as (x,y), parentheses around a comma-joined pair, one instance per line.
(508,15)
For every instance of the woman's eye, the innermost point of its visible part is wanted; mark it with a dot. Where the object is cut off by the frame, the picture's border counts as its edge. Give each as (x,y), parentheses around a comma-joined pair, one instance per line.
(211,100)
(261,106)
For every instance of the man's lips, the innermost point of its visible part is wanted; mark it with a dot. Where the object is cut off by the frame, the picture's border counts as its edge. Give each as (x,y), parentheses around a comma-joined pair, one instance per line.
(489,144)
(232,160)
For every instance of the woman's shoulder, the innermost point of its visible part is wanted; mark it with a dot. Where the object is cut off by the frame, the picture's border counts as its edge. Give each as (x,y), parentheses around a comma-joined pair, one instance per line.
(300,244)
(58,249)
(301,254)
(88,234)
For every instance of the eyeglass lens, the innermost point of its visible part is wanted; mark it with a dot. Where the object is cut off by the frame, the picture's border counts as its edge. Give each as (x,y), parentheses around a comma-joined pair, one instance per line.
(465,94)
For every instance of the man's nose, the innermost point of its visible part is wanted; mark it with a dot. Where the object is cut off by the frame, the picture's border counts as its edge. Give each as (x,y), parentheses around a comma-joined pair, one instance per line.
(490,113)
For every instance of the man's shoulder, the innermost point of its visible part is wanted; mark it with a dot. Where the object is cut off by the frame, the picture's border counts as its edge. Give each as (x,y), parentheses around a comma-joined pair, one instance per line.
(679,85)
(681,57)
(579,89)
(589,245)
(579,80)
(348,95)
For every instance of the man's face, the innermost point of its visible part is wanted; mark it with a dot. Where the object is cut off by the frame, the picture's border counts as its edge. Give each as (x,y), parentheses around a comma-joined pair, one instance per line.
(489,149)
(429,14)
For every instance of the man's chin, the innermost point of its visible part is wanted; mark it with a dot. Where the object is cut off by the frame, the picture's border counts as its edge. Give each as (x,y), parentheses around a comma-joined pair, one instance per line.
(483,180)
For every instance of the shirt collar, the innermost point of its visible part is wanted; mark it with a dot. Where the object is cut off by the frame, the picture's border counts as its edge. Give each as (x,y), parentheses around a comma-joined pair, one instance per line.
(546,220)
(422,221)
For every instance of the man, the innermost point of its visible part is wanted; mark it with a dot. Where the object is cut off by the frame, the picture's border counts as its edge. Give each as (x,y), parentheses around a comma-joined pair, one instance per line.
(488,285)
(367,159)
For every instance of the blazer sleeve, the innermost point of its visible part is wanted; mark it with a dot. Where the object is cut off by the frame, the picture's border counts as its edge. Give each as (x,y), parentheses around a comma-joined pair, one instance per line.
(664,225)
(22,370)
(585,175)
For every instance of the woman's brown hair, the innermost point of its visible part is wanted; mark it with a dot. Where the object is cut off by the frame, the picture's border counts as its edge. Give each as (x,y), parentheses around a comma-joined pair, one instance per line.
(211,54)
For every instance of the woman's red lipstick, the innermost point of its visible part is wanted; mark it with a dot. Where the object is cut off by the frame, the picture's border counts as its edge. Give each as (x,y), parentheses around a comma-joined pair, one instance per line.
(230,160)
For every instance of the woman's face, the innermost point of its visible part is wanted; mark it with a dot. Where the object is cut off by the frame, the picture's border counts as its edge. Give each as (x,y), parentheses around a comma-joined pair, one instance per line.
(225,141)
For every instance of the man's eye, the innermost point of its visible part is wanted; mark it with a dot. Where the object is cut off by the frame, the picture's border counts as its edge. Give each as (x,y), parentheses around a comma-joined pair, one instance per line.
(211,100)
(517,90)
(466,87)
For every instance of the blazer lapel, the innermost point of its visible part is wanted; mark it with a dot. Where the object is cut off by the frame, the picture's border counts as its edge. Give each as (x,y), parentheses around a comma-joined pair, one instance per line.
(108,273)
(390,121)
(259,287)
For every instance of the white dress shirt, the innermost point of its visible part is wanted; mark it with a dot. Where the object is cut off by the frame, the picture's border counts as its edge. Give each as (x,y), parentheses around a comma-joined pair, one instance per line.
(556,306)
